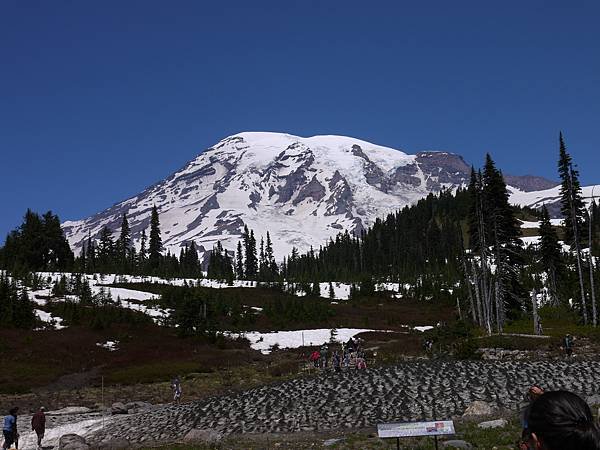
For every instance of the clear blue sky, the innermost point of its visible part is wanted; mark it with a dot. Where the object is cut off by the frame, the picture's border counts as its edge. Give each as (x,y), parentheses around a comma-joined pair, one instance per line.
(100,99)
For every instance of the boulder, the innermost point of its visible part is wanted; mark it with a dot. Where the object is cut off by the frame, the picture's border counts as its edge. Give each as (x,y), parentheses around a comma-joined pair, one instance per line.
(456,443)
(118,408)
(134,407)
(72,442)
(593,399)
(198,435)
(498,423)
(478,408)
(113,444)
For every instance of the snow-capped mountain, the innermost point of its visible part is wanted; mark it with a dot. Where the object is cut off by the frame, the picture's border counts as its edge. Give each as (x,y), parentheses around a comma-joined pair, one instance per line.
(302,190)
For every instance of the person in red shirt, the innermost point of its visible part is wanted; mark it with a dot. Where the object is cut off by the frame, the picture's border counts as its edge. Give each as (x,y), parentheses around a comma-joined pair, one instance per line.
(38,424)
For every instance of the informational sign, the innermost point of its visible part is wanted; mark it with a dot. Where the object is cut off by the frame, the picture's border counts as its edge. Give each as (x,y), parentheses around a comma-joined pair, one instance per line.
(412,429)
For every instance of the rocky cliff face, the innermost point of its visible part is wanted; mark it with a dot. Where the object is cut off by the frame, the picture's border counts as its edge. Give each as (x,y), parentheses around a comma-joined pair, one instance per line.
(302,190)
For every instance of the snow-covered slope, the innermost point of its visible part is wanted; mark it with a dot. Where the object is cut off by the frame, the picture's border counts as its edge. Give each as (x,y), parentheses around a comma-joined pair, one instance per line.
(301,190)
(550,198)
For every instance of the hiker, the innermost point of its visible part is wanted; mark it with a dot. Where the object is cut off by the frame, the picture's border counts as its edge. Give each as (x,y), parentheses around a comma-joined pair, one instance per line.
(324,351)
(176,386)
(568,345)
(533,393)
(561,420)
(11,435)
(350,345)
(336,361)
(38,424)
(314,358)
(360,362)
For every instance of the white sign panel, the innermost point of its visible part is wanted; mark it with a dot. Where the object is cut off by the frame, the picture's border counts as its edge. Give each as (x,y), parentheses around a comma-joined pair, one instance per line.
(408,429)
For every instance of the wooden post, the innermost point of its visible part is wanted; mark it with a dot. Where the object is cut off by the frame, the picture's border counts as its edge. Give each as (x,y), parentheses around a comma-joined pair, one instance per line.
(103,407)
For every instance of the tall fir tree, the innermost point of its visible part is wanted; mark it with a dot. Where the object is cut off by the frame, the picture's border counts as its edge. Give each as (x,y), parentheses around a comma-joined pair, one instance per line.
(106,250)
(155,245)
(239,262)
(123,245)
(550,254)
(572,208)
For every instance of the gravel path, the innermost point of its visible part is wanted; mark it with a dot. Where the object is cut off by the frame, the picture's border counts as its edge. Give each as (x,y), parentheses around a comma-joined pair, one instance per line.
(331,401)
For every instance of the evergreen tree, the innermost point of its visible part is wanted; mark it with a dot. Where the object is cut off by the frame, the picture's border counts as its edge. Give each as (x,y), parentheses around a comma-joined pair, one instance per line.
(123,245)
(251,259)
(272,269)
(37,245)
(504,236)
(155,245)
(105,250)
(239,262)
(550,254)
(572,208)
(143,254)
(91,256)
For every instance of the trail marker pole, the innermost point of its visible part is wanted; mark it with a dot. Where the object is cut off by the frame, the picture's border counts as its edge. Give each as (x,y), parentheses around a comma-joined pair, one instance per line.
(103,407)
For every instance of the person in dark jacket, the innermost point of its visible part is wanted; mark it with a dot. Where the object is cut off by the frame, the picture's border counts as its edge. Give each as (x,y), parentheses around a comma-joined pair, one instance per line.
(38,424)
(568,342)
(9,429)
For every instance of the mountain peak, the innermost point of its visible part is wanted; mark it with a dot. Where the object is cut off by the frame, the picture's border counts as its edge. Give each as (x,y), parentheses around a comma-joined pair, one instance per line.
(303,190)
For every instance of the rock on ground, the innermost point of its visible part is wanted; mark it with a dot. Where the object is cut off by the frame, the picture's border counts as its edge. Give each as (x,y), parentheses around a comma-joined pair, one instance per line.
(478,408)
(72,442)
(498,423)
(205,436)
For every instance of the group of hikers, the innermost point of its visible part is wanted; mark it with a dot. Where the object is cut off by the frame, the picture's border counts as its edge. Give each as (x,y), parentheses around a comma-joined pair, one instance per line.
(11,434)
(349,355)
(557,420)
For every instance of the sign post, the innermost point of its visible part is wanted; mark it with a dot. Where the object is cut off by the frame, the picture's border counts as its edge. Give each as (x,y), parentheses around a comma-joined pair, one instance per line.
(433,428)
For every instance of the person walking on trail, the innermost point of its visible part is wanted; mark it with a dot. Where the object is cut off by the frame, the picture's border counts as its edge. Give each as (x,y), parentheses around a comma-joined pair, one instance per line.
(314,358)
(324,351)
(38,424)
(533,393)
(11,435)
(176,386)
(568,343)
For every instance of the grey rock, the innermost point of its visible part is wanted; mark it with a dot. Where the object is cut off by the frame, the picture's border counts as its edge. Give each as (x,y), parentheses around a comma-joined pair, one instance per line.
(118,408)
(330,442)
(206,436)
(112,444)
(72,442)
(478,408)
(498,423)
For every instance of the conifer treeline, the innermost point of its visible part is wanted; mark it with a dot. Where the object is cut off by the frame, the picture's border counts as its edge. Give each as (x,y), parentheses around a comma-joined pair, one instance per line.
(37,245)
